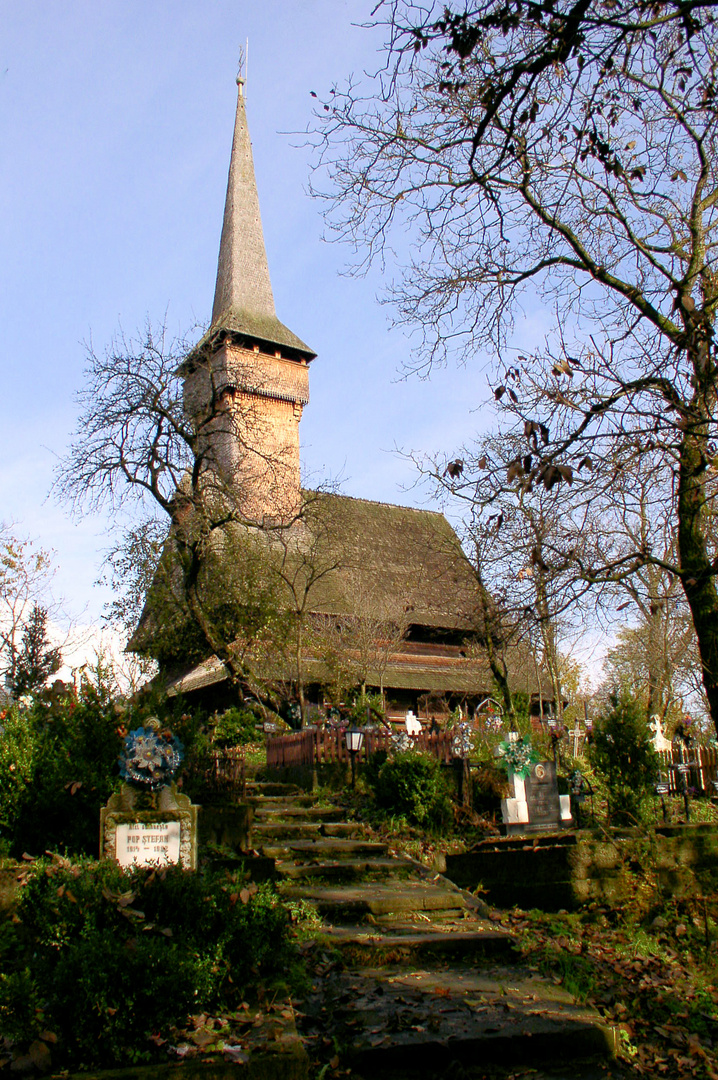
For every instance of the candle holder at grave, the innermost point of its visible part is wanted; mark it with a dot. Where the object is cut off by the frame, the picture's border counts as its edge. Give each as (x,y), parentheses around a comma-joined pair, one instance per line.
(579,787)
(682,769)
(661,789)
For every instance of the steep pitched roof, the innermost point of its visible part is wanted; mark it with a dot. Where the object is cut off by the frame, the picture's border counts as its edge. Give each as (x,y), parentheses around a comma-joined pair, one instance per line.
(406,556)
(243,299)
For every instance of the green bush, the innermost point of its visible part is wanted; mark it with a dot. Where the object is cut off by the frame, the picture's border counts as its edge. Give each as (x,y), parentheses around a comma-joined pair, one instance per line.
(67,749)
(623,756)
(411,785)
(366,706)
(105,958)
(17,756)
(58,761)
(235,727)
(373,766)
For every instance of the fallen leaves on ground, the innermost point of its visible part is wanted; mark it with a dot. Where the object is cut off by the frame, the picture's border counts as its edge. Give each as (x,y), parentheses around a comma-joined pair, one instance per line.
(659,990)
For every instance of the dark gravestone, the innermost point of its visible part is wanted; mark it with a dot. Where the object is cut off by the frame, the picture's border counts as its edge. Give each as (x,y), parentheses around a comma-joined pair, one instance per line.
(542,797)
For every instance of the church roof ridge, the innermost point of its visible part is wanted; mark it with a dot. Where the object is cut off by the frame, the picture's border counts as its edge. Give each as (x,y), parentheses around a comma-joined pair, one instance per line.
(377,502)
(243,297)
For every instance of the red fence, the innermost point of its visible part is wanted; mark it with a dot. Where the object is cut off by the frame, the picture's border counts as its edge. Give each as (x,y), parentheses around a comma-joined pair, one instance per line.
(287,750)
(328,745)
(702,763)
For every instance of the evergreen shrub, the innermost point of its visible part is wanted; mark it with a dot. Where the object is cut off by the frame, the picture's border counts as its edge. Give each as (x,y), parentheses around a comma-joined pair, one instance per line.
(65,770)
(624,758)
(105,958)
(236,727)
(58,761)
(490,786)
(411,785)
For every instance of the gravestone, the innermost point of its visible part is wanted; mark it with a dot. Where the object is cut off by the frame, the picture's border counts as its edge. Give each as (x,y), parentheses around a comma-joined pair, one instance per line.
(141,828)
(148,822)
(536,805)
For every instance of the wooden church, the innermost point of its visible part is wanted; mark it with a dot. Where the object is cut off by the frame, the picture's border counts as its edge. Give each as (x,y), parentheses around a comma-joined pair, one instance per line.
(396,603)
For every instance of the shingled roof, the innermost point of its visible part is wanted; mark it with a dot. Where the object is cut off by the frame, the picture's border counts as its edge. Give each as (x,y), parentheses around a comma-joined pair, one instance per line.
(243,298)
(411,557)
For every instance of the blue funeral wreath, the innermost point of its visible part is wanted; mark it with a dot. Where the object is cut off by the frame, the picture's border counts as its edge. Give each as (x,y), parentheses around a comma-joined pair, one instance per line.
(150,757)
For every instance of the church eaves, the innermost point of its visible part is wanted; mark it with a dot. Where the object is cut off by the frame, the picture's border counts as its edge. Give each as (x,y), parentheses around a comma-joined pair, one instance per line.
(243,299)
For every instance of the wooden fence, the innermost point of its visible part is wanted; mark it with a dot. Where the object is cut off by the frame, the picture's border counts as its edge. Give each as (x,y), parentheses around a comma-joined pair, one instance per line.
(222,772)
(319,746)
(701,763)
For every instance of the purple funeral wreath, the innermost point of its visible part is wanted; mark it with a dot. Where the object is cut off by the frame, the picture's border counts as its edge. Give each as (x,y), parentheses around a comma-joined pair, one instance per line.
(150,758)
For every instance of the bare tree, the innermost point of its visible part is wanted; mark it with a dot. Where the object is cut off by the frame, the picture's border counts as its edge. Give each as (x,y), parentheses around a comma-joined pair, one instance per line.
(298,559)
(564,150)
(528,544)
(141,445)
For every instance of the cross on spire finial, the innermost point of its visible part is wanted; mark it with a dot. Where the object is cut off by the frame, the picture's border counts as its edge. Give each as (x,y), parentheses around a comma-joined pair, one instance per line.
(242,67)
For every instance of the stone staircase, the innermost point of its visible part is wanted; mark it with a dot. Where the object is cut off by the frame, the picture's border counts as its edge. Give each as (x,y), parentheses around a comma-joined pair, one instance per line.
(413,978)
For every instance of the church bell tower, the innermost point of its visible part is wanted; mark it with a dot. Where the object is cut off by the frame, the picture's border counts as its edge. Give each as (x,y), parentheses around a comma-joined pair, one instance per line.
(247,382)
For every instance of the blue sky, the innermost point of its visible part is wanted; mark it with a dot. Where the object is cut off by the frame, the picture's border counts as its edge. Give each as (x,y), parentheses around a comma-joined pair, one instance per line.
(115,131)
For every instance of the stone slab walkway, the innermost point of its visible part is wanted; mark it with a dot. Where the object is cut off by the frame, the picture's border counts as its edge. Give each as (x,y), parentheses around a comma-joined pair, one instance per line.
(410,977)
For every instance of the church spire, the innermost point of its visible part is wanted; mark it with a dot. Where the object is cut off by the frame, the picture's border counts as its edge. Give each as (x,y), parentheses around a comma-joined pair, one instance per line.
(243,299)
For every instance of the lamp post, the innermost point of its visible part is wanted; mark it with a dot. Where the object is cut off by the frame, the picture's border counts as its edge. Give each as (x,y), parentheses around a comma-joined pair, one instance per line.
(355,738)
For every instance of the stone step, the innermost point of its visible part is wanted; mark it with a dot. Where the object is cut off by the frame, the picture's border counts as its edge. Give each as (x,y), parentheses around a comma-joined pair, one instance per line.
(322,848)
(380,899)
(379,949)
(295,814)
(436,1022)
(266,832)
(343,828)
(268,787)
(274,802)
(351,869)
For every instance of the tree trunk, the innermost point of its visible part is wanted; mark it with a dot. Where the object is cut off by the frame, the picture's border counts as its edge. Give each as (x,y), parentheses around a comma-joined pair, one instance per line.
(191,563)
(655,659)
(300,675)
(697,574)
(548,638)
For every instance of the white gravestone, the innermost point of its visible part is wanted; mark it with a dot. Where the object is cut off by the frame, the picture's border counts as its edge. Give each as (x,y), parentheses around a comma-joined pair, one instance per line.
(516,811)
(142,828)
(147,843)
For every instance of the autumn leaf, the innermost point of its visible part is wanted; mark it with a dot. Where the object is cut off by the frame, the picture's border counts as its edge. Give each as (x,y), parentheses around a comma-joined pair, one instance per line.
(40,1056)
(236,1055)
